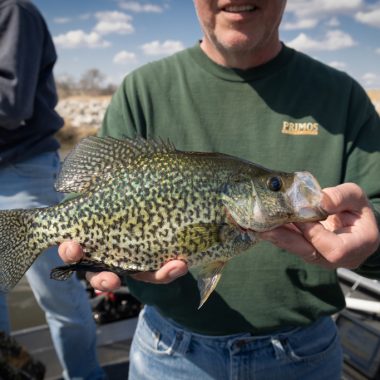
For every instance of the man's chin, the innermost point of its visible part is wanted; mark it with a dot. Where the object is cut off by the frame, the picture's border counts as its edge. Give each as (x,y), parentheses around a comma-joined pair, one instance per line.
(236,42)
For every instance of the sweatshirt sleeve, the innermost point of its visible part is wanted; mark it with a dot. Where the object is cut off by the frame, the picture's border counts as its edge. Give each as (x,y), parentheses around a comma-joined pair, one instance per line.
(124,117)
(363,161)
(21,44)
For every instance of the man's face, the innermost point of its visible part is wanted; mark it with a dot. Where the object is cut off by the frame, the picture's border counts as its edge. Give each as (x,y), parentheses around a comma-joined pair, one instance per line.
(240,25)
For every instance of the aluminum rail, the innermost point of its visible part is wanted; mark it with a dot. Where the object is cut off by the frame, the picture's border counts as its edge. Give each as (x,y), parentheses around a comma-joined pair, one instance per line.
(371,307)
(372,285)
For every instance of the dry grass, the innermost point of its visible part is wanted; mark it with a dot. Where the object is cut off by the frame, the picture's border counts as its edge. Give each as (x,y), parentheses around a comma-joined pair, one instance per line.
(375,97)
(86,97)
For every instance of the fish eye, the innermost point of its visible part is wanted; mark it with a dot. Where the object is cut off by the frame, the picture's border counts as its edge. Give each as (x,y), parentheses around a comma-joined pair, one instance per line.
(274,184)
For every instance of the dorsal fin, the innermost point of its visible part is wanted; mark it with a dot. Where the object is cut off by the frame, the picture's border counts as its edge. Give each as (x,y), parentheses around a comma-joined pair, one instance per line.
(96,157)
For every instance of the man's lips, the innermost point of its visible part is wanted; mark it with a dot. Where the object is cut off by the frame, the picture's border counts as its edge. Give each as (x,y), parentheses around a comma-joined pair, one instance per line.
(239,8)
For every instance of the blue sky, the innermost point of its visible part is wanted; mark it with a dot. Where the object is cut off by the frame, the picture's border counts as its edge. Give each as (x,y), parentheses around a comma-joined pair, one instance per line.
(117,36)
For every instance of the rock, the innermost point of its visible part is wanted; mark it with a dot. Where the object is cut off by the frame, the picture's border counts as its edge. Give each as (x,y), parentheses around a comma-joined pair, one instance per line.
(83,111)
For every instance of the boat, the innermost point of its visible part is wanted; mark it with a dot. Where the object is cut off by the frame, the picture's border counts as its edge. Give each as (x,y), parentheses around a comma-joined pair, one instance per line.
(359,326)
(116,316)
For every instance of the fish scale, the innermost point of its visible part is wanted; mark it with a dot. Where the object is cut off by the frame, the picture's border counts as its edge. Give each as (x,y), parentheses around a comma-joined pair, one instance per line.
(142,203)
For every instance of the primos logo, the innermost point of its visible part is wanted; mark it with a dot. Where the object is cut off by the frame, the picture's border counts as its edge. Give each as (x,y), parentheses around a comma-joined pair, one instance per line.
(300,128)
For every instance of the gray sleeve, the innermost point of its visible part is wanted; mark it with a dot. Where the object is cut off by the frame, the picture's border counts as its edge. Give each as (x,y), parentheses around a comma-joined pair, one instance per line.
(21,44)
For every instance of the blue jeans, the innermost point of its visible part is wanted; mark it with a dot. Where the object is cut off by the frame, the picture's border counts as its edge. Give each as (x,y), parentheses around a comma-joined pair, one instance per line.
(161,349)
(30,184)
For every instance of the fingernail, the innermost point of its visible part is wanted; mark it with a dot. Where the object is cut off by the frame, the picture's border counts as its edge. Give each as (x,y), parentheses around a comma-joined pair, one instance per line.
(326,203)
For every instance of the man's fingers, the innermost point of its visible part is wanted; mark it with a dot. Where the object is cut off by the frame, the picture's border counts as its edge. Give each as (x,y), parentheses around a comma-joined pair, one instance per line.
(291,240)
(345,197)
(345,239)
(70,252)
(108,281)
(327,243)
(169,272)
(345,247)
(104,281)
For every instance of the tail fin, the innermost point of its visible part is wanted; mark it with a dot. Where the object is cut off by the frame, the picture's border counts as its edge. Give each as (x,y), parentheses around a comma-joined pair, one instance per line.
(17,249)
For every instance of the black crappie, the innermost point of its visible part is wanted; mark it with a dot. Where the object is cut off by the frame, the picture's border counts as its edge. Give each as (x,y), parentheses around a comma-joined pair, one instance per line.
(142,203)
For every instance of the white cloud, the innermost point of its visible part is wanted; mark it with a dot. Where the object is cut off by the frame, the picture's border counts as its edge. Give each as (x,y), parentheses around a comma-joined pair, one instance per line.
(306,8)
(320,10)
(377,51)
(123,57)
(78,38)
(338,65)
(85,16)
(371,17)
(162,48)
(371,80)
(307,23)
(333,40)
(113,22)
(135,6)
(333,22)
(62,20)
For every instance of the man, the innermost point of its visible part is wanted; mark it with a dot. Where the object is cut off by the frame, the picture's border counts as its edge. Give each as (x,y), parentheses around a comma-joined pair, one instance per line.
(28,166)
(242,92)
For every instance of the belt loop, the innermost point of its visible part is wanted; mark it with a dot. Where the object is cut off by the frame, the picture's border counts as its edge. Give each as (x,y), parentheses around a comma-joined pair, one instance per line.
(183,339)
(278,347)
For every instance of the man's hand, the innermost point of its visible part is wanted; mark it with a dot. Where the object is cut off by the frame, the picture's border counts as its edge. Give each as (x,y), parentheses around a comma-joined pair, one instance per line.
(345,239)
(71,252)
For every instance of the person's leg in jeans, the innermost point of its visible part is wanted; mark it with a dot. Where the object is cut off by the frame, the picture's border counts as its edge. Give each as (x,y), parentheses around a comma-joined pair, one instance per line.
(69,316)
(4,318)
(30,184)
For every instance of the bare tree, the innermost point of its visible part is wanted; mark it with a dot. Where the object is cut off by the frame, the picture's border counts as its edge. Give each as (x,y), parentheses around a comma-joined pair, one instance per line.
(66,86)
(92,81)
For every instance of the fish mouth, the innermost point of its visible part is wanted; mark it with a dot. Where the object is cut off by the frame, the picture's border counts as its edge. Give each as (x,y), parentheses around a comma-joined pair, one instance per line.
(311,214)
(306,197)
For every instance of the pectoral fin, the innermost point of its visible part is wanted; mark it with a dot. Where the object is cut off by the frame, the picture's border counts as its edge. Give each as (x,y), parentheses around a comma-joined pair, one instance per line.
(208,278)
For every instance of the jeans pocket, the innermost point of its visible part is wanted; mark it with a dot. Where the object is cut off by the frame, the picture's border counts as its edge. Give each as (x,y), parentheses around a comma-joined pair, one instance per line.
(153,341)
(324,344)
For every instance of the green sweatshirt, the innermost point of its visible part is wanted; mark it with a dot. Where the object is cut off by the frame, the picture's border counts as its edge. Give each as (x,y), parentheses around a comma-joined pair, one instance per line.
(290,114)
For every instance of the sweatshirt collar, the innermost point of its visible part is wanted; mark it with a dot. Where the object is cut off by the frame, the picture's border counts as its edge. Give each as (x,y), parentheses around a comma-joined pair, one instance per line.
(238,75)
